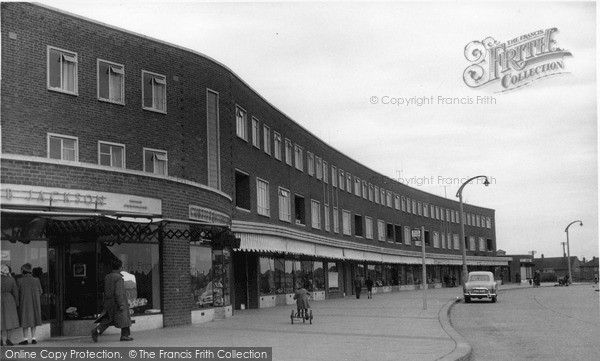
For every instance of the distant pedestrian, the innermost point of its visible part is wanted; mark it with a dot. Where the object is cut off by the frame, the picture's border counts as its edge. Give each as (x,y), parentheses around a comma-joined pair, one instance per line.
(369,285)
(595,280)
(30,306)
(9,303)
(116,307)
(357,286)
(453,280)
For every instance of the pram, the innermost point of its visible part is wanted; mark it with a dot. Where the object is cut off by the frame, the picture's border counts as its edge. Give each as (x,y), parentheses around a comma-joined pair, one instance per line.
(303,313)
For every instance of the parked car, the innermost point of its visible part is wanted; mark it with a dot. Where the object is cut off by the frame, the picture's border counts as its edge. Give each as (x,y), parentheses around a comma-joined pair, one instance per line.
(480,284)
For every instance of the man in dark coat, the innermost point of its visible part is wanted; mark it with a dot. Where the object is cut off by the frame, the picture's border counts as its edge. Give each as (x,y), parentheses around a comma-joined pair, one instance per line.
(357,286)
(30,306)
(116,307)
(369,285)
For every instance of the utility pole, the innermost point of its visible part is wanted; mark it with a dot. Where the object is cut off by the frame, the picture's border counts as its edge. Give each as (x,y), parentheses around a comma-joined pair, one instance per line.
(564,244)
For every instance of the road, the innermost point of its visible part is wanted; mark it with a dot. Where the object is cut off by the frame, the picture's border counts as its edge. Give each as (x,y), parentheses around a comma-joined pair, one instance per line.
(546,323)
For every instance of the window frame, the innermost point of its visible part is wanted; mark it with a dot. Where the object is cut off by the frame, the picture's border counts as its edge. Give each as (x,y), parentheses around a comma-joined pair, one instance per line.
(267,139)
(346,225)
(264,210)
(281,195)
(62,89)
(62,137)
(299,157)
(277,145)
(288,150)
(315,217)
(154,76)
(111,98)
(255,133)
(111,145)
(156,151)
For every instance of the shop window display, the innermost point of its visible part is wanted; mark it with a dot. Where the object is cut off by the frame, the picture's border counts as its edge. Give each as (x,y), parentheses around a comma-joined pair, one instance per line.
(267,276)
(201,275)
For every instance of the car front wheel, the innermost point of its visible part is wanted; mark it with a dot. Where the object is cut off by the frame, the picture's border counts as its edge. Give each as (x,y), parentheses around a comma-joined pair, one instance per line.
(467,299)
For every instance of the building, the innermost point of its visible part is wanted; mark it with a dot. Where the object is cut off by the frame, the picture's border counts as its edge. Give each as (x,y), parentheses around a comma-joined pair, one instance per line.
(589,269)
(554,268)
(115,145)
(520,269)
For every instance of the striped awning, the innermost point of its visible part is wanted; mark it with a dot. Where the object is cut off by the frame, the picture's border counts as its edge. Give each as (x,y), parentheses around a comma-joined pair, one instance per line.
(373,257)
(297,247)
(354,254)
(329,252)
(261,243)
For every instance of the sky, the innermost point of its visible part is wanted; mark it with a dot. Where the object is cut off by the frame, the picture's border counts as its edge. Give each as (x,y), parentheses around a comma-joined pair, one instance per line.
(383,83)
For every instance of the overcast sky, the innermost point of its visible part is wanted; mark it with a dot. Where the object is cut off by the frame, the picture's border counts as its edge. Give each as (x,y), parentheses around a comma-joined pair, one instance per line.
(331,66)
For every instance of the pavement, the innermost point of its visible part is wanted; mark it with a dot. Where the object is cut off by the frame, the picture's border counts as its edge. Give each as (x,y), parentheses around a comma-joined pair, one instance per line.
(390,326)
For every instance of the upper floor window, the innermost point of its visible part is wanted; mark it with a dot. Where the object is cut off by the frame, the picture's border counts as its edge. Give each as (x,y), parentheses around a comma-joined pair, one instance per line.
(389,199)
(310,159)
(325,172)
(267,139)
(241,123)
(288,152)
(298,157)
(111,80)
(63,147)
(62,70)
(155,161)
(154,91)
(377,194)
(357,186)
(255,133)
(370,192)
(111,154)
(262,198)
(342,179)
(348,182)
(285,211)
(277,145)
(315,214)
(334,179)
(319,167)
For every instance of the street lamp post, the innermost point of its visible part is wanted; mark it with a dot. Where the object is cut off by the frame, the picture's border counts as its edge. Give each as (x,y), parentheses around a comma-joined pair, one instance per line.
(568,250)
(462,223)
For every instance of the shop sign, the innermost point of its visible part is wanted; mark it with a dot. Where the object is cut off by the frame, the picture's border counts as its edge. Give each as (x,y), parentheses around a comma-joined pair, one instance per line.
(202,214)
(25,195)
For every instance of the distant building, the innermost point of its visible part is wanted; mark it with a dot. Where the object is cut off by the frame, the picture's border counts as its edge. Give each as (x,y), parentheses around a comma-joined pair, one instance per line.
(521,264)
(589,269)
(553,268)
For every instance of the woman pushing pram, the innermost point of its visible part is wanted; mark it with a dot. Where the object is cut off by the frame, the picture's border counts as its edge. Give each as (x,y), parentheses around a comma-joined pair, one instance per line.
(302,305)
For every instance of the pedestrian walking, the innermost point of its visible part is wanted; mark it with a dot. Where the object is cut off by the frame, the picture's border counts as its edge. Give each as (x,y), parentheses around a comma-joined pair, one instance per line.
(369,285)
(453,280)
(357,286)
(9,303)
(30,306)
(116,307)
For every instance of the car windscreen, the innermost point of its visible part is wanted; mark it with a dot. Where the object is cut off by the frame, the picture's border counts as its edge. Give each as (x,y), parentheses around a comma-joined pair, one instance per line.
(479,278)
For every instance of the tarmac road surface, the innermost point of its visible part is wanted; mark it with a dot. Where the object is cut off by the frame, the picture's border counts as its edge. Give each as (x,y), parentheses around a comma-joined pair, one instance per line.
(545,323)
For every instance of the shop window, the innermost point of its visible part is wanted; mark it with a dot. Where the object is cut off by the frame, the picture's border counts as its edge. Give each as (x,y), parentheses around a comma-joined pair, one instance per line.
(304,276)
(43,263)
(63,147)
(201,275)
(333,277)
(140,271)
(267,276)
(62,70)
(111,80)
(283,276)
(299,210)
(242,190)
(222,270)
(154,90)
(318,276)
